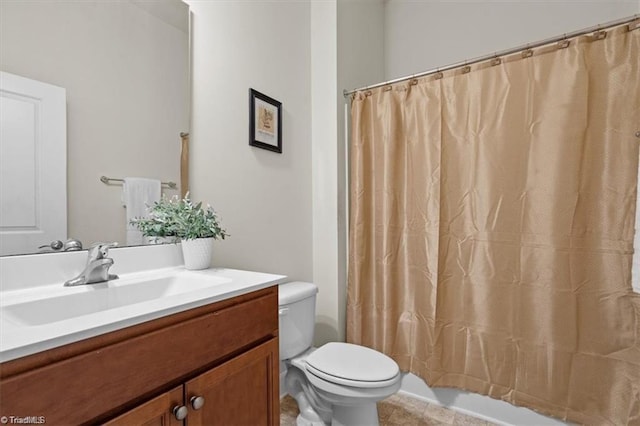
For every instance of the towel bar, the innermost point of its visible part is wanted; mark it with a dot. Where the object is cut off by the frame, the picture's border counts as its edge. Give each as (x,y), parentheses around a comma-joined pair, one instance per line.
(107,181)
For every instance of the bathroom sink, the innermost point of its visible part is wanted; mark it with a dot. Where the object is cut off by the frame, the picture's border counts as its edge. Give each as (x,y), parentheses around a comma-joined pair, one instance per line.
(101,297)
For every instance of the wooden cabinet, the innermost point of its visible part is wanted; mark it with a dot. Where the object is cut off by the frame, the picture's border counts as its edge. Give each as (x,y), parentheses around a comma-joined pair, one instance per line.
(157,412)
(239,392)
(226,352)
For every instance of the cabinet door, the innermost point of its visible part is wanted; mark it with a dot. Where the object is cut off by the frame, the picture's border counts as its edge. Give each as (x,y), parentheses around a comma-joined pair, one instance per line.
(242,391)
(156,412)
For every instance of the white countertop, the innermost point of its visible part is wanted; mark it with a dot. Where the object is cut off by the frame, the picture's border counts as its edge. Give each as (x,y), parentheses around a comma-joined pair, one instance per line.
(18,340)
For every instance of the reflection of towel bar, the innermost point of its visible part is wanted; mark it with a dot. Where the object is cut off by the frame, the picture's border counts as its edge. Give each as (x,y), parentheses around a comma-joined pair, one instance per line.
(107,181)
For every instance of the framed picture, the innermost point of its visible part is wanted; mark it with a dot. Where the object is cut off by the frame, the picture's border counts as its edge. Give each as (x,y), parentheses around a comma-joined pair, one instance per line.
(265,122)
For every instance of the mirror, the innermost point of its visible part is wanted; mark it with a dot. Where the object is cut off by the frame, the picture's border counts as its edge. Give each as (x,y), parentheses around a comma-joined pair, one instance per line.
(125,68)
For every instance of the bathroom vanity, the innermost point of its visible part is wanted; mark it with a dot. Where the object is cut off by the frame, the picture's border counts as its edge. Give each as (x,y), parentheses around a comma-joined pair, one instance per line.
(208,356)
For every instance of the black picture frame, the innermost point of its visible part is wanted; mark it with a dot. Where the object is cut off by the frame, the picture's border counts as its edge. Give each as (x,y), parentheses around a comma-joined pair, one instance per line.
(265,130)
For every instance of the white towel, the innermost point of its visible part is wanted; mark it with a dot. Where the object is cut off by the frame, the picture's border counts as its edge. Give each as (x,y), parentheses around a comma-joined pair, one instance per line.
(137,194)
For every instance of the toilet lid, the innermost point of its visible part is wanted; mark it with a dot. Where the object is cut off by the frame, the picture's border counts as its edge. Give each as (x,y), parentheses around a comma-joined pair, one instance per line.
(338,362)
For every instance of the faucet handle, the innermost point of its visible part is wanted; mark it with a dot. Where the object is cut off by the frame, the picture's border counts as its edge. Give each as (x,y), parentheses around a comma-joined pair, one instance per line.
(100,250)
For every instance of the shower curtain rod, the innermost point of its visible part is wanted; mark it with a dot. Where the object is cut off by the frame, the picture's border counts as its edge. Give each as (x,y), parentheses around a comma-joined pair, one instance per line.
(566,36)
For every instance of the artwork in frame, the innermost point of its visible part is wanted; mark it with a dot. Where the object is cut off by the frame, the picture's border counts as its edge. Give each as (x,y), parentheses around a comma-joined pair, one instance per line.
(265,122)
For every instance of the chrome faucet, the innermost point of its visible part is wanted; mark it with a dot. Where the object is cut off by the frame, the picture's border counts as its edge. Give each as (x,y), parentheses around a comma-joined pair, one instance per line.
(97,268)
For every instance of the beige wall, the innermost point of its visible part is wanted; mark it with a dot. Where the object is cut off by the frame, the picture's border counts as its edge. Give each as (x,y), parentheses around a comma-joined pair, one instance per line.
(263,198)
(285,213)
(422,35)
(325,184)
(346,49)
(126,76)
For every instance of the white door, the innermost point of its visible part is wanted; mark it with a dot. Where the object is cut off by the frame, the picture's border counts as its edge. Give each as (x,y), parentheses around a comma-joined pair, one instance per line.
(33,164)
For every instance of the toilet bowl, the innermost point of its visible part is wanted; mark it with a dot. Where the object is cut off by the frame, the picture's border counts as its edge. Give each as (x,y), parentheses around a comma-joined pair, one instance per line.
(338,383)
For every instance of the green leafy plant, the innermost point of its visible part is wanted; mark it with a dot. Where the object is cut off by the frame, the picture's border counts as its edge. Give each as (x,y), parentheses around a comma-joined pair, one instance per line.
(173,217)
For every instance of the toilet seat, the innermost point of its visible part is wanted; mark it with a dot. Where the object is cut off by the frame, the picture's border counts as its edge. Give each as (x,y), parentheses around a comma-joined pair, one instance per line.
(352,365)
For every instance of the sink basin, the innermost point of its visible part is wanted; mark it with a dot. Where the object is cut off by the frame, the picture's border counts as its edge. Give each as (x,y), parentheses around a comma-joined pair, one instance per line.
(106,296)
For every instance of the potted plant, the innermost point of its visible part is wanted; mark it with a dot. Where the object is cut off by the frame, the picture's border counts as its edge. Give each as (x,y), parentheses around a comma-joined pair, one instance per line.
(195,226)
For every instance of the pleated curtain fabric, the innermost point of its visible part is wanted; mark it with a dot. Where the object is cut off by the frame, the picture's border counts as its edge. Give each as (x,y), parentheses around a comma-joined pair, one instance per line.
(492,218)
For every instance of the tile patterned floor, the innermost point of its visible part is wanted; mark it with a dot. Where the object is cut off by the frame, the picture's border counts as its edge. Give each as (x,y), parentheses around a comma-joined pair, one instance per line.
(398,410)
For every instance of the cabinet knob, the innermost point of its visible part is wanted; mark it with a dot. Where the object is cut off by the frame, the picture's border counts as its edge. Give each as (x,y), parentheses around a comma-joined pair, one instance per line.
(197,402)
(180,412)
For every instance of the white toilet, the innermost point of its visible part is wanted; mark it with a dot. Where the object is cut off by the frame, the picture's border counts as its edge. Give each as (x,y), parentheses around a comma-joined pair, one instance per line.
(338,383)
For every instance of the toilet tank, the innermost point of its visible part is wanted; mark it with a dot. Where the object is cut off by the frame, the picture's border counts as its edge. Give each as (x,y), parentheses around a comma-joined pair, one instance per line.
(297,316)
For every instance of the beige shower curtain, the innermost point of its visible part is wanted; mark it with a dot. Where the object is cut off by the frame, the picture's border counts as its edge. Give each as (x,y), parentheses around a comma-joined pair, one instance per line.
(492,224)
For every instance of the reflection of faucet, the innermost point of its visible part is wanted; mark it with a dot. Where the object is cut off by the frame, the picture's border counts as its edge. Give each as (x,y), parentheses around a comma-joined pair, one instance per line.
(97,269)
(57,246)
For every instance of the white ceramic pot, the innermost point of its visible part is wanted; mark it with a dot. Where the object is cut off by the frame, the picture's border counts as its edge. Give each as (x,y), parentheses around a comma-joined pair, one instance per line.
(197,253)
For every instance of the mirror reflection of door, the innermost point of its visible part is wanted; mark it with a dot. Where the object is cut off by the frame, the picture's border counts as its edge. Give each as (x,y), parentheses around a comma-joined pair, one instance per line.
(33,164)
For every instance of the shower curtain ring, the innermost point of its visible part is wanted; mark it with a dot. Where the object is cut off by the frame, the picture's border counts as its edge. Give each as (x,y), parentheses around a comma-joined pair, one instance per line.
(599,34)
(563,43)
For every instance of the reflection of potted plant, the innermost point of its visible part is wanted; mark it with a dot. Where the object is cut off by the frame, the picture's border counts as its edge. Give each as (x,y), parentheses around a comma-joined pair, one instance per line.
(196,227)
(158,227)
